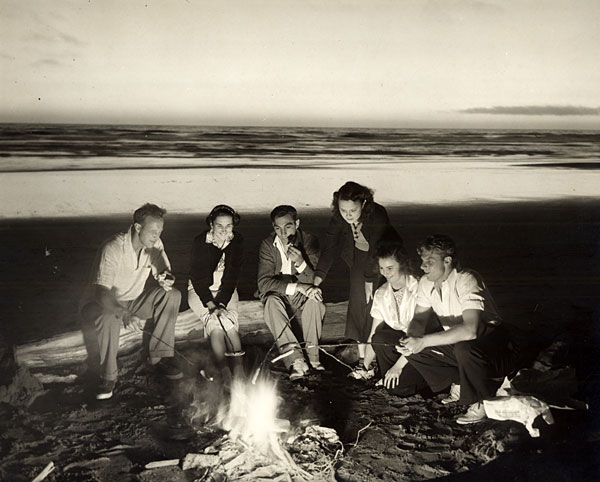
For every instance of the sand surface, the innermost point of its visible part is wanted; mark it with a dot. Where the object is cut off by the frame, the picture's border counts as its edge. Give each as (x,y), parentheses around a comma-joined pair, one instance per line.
(539,258)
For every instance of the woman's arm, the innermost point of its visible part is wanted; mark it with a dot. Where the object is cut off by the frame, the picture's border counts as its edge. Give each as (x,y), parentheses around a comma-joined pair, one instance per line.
(201,269)
(234,260)
(331,248)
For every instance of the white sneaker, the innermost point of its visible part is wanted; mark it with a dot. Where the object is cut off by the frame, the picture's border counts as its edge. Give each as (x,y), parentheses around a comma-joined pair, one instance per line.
(317,366)
(299,369)
(475,413)
(453,396)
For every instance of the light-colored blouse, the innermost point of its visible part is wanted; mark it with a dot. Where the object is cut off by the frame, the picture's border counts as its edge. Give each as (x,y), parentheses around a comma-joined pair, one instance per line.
(396,308)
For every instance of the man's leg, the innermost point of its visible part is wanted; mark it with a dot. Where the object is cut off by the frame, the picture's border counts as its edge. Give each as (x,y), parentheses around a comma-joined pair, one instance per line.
(108,328)
(162,306)
(278,322)
(437,365)
(312,314)
(480,363)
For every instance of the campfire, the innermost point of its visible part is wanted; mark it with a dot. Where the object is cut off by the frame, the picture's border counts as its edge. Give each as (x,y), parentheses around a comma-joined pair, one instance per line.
(258,445)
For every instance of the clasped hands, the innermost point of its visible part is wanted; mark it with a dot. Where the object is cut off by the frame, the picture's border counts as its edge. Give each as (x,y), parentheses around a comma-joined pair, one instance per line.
(410,345)
(312,292)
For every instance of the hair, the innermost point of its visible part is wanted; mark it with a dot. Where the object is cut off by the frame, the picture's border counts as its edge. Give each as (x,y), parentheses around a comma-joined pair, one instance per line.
(442,244)
(396,251)
(148,210)
(223,210)
(352,191)
(283,210)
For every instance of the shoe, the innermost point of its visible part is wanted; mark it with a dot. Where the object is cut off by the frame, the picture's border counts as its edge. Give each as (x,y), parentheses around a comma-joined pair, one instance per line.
(105,389)
(169,368)
(317,366)
(475,413)
(453,396)
(299,369)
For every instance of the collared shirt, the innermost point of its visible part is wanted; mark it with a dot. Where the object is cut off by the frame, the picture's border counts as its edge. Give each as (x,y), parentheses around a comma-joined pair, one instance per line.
(121,270)
(286,265)
(461,291)
(396,308)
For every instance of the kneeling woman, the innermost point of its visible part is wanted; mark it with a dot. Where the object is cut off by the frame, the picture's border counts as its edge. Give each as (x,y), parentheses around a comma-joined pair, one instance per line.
(393,308)
(216,264)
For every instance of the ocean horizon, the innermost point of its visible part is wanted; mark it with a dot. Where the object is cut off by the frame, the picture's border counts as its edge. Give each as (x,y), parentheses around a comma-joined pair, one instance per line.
(55,170)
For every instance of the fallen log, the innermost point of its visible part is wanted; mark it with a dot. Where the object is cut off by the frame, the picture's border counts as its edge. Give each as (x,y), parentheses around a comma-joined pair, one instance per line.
(75,346)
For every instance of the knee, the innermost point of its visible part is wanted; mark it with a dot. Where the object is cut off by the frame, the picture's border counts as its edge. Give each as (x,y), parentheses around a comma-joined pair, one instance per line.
(314,305)
(273,301)
(173,295)
(463,351)
(378,337)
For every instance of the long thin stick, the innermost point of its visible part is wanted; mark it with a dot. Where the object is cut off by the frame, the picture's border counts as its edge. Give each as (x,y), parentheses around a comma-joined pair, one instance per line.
(358,433)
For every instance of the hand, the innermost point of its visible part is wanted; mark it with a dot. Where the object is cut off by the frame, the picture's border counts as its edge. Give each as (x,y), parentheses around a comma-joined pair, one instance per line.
(295,255)
(216,310)
(392,377)
(410,345)
(166,280)
(132,322)
(368,291)
(315,293)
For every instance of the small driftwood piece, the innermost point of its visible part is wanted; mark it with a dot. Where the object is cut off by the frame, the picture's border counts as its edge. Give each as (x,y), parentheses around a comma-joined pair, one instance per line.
(162,463)
(74,347)
(45,472)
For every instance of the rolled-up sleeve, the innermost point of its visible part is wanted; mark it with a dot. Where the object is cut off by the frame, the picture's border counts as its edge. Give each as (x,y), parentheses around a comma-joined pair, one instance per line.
(470,292)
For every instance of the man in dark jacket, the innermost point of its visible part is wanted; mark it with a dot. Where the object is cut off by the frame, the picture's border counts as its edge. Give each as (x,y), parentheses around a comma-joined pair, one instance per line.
(287,258)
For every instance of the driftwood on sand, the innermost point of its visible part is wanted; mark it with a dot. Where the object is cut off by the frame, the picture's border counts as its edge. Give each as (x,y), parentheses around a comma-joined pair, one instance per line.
(74,347)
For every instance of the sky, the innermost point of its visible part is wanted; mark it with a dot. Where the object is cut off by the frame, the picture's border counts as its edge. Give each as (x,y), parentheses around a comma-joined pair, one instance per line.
(376,63)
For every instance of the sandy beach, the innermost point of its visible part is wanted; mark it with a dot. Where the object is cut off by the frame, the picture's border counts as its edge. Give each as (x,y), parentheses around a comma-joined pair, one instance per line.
(539,257)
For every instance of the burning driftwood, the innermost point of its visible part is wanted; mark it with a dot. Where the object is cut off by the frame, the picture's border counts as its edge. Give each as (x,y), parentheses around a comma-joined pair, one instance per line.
(76,346)
(259,446)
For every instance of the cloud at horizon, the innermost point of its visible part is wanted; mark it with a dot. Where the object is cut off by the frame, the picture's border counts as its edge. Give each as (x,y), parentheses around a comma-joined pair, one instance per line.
(535,110)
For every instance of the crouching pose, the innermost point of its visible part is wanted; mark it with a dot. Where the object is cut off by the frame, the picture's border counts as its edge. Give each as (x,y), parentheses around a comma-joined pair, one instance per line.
(393,308)
(474,350)
(215,267)
(117,296)
(285,282)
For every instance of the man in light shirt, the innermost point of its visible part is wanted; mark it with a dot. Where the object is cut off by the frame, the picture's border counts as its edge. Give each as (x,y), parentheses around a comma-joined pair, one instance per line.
(117,297)
(286,262)
(473,352)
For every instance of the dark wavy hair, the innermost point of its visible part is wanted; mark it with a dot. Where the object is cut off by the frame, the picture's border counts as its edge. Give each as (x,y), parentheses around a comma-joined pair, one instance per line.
(146,210)
(442,244)
(352,191)
(397,251)
(283,210)
(223,210)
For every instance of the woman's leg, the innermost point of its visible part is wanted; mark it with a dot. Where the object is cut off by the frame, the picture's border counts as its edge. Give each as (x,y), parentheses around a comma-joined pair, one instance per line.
(358,320)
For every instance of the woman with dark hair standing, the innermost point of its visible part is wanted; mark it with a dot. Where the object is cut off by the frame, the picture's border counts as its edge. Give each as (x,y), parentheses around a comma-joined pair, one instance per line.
(355,230)
(215,267)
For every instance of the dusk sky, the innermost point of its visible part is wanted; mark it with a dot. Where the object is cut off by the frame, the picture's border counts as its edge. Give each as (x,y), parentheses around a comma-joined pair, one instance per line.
(436,63)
